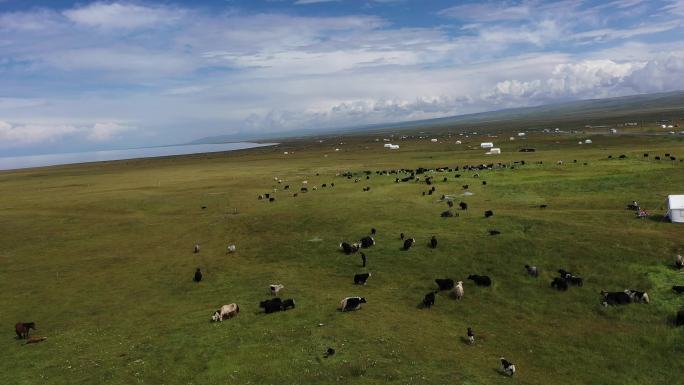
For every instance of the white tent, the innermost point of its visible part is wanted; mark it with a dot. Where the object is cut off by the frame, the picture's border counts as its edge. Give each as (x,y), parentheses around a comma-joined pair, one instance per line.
(675,208)
(493,151)
(486,145)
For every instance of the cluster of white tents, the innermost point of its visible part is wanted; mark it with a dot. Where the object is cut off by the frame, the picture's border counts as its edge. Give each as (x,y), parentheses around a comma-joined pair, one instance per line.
(492,150)
(391,146)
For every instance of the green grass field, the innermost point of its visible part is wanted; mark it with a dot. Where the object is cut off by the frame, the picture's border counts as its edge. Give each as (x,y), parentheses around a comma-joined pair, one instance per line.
(100,257)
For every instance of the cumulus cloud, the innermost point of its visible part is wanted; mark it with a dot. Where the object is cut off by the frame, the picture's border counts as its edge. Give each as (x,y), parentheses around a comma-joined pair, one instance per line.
(124,16)
(18,135)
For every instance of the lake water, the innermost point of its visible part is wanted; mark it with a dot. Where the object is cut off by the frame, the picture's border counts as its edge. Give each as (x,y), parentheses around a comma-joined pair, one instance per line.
(17,162)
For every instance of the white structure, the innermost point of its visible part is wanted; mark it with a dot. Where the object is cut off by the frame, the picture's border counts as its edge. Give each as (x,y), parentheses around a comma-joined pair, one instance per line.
(458,142)
(588,141)
(486,145)
(394,147)
(494,151)
(521,134)
(387,145)
(613,131)
(675,208)
(433,140)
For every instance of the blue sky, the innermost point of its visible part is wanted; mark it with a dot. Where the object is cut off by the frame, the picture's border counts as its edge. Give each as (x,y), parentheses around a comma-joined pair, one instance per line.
(111,74)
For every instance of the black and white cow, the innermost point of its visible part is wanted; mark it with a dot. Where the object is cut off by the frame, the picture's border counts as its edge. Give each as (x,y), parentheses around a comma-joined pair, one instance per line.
(532,270)
(494,232)
(564,273)
(507,367)
(679,262)
(196,249)
(480,280)
(447,214)
(351,303)
(367,242)
(615,298)
(463,206)
(429,299)
(360,279)
(198,275)
(575,280)
(445,283)
(488,213)
(471,336)
(275,288)
(433,242)
(559,284)
(271,305)
(349,248)
(408,243)
(638,296)
(288,303)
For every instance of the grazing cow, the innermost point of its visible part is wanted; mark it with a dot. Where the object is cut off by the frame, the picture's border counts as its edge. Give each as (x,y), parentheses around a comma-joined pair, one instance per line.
(349,249)
(564,273)
(198,275)
(679,320)
(288,303)
(679,262)
(488,213)
(532,270)
(351,303)
(295,195)
(465,186)
(463,206)
(480,280)
(458,290)
(559,284)
(271,305)
(433,242)
(471,336)
(367,242)
(450,203)
(678,289)
(615,298)
(507,367)
(484,182)
(275,288)
(444,284)
(363,259)
(447,214)
(22,329)
(360,279)
(543,206)
(401,236)
(638,296)
(304,189)
(494,232)
(196,249)
(574,280)
(271,199)
(267,195)
(408,243)
(329,352)
(226,311)
(429,299)
(287,187)
(260,197)
(231,248)
(373,231)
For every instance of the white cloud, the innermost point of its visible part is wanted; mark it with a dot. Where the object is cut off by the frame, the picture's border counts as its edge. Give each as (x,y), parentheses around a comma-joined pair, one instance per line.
(123,15)
(106,131)
(19,135)
(14,103)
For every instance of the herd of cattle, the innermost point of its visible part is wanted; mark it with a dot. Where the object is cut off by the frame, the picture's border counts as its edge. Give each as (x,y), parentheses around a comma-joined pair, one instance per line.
(455,288)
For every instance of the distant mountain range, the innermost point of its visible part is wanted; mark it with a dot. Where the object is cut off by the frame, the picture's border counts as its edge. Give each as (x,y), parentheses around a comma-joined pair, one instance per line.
(644,107)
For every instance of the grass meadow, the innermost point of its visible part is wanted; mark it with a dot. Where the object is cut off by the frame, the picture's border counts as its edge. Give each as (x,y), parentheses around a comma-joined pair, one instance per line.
(100,257)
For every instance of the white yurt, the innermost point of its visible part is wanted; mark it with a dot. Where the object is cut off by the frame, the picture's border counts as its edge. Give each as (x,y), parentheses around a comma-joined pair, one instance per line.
(486,145)
(675,208)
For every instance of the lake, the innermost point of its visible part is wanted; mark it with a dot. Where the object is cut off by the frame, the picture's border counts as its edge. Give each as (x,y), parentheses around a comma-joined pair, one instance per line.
(28,161)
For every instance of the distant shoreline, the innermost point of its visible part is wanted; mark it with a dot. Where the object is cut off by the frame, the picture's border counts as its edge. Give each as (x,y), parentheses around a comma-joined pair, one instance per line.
(49,160)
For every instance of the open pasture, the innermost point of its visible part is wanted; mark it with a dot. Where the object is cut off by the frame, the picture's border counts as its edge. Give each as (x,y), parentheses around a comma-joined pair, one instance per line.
(101,257)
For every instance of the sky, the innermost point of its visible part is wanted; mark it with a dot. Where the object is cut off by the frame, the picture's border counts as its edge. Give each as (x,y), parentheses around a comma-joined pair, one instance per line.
(83,75)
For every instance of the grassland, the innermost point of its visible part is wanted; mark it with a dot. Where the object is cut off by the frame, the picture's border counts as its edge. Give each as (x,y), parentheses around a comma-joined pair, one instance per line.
(100,257)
